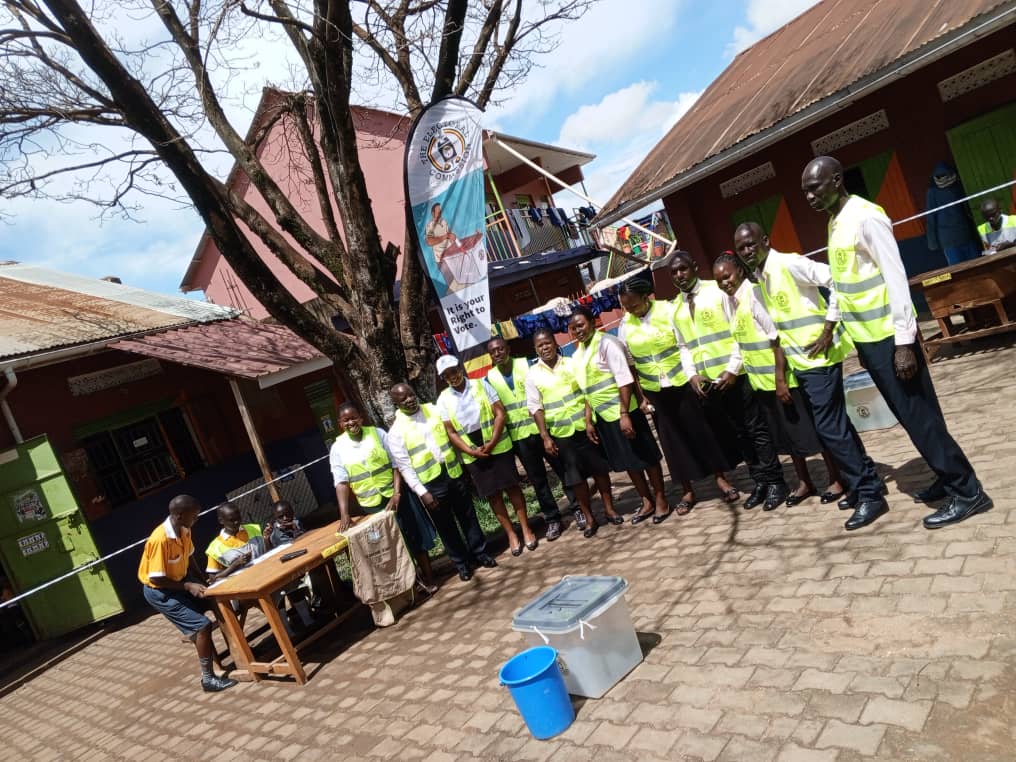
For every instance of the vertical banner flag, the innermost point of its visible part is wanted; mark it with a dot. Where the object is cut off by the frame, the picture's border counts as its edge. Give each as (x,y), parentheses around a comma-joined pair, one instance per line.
(444,190)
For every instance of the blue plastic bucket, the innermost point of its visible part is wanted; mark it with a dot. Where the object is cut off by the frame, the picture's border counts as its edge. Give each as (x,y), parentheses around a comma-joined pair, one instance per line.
(537,686)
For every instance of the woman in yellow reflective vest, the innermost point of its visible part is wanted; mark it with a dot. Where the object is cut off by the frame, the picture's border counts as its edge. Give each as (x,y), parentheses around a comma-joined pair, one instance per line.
(363,474)
(692,447)
(556,403)
(787,412)
(613,417)
(476,423)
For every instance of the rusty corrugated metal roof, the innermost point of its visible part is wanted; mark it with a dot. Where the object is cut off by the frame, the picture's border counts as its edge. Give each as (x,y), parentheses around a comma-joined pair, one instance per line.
(43,310)
(817,55)
(241,347)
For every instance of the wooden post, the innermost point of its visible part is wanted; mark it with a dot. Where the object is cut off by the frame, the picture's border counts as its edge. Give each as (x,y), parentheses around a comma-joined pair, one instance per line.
(255,441)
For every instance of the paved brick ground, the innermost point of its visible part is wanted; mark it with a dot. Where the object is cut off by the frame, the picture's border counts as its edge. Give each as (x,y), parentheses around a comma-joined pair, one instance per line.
(768,637)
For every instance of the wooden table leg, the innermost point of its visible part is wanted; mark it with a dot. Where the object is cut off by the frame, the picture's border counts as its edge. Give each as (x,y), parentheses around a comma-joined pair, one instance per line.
(238,645)
(282,638)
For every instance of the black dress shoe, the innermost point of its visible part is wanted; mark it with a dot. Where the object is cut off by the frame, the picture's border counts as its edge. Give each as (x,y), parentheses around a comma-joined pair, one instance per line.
(830,497)
(465,575)
(865,513)
(661,517)
(849,502)
(214,683)
(958,509)
(776,496)
(590,530)
(487,562)
(757,497)
(638,518)
(931,493)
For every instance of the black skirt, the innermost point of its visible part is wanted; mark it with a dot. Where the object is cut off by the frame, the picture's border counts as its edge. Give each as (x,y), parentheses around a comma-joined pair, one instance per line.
(578,459)
(694,446)
(493,474)
(625,454)
(792,426)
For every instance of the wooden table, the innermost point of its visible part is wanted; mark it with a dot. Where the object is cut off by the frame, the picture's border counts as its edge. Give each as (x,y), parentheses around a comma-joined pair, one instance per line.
(987,284)
(257,583)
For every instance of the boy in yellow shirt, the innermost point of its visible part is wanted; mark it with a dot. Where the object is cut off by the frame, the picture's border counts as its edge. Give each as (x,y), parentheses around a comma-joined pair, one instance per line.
(168,574)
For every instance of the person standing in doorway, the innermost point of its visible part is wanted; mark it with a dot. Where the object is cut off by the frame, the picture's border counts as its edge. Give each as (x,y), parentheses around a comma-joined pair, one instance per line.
(870,283)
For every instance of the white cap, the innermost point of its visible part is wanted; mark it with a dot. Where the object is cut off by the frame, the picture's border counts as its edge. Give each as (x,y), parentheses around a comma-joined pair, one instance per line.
(445,362)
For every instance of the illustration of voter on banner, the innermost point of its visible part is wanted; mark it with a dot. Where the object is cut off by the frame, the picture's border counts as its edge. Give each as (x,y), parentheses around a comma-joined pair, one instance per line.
(460,262)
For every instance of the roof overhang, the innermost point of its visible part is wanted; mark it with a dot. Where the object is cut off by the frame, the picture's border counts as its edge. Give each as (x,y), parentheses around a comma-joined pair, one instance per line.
(901,67)
(554,159)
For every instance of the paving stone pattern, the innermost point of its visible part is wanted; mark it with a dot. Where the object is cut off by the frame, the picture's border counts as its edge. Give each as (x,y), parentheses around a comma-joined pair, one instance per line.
(767,636)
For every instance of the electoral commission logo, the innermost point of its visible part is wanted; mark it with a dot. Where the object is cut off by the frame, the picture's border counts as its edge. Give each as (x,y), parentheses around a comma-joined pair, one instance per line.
(446,149)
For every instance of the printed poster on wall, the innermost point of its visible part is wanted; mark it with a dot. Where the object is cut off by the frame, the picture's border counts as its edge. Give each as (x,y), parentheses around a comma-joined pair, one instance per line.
(444,189)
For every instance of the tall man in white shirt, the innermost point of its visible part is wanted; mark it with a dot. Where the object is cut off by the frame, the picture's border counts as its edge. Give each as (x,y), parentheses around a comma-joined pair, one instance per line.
(870,283)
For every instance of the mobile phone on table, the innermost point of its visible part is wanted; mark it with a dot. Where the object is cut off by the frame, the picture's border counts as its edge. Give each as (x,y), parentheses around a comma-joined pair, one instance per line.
(293,554)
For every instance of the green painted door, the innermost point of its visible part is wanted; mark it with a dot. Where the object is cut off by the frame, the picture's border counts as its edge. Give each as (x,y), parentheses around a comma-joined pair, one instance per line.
(43,534)
(985,153)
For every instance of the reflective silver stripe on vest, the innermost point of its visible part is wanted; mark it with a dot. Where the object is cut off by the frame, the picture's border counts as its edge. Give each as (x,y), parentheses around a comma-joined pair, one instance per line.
(605,406)
(861,286)
(425,465)
(366,475)
(416,450)
(514,406)
(801,322)
(754,346)
(865,315)
(760,370)
(367,493)
(716,362)
(600,385)
(709,338)
(658,357)
(561,402)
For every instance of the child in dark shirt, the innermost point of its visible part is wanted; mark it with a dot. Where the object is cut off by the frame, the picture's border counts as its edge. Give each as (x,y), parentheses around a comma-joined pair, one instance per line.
(284,527)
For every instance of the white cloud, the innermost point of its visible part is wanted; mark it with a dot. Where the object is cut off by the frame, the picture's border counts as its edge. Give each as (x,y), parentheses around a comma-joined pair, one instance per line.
(763,17)
(621,128)
(595,45)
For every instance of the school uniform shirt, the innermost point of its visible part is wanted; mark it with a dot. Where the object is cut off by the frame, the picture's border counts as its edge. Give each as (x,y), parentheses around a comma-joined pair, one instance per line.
(734,365)
(166,554)
(466,409)
(877,251)
(364,446)
(400,455)
(611,356)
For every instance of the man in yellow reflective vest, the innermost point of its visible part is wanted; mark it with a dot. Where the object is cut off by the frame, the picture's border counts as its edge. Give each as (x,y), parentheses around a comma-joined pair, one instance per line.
(420,449)
(998,231)
(508,377)
(790,286)
(870,284)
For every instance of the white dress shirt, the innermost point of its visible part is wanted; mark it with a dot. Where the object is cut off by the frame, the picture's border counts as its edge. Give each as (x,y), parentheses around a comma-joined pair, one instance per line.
(734,365)
(466,409)
(808,275)
(400,455)
(611,357)
(364,446)
(876,251)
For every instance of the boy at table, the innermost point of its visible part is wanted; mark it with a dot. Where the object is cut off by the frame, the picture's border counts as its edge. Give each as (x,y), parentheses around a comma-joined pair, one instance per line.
(235,546)
(168,573)
(284,527)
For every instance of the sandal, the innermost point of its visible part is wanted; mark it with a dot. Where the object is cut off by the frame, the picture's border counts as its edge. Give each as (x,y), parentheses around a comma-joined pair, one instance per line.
(730,496)
(684,508)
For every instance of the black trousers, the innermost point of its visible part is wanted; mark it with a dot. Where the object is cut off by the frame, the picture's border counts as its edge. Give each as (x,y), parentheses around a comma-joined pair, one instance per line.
(531,453)
(455,520)
(915,405)
(823,389)
(748,419)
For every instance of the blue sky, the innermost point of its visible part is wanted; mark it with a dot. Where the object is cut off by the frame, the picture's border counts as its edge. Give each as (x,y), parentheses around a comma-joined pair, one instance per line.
(616,82)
